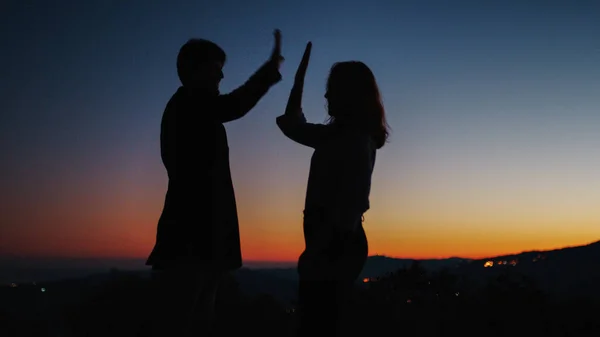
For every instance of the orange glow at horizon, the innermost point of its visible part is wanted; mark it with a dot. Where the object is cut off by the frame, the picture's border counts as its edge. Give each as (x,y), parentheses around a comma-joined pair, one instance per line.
(414,214)
(265,238)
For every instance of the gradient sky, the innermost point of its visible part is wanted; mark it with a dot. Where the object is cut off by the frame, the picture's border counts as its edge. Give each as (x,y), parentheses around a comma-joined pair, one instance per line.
(494,105)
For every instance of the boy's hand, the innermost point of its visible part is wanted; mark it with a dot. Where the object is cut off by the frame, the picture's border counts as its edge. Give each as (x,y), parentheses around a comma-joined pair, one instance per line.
(276,55)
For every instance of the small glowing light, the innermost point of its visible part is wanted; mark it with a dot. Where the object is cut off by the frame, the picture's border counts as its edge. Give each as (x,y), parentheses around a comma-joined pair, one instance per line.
(457,294)
(366,280)
(13,285)
(409,301)
(43,290)
(488,264)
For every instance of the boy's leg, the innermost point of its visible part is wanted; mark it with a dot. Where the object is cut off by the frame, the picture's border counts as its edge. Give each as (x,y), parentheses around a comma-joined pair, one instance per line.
(202,317)
(169,301)
(181,302)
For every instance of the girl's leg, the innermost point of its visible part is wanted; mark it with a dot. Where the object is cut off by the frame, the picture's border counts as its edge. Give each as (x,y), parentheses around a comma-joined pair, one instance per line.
(317,307)
(350,264)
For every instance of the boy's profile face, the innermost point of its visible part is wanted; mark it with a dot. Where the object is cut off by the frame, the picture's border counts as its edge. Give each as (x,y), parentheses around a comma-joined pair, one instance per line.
(209,75)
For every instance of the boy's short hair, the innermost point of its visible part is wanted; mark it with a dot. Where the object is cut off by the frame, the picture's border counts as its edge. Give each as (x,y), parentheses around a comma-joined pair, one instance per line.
(194,52)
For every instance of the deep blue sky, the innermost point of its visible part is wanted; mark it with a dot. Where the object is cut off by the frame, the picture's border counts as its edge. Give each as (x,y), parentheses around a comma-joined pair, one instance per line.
(494,105)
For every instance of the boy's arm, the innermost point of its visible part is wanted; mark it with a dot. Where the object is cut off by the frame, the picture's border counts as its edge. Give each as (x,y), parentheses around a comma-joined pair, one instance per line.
(239,102)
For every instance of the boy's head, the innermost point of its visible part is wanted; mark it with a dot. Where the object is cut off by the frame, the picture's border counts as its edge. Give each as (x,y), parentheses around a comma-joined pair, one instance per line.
(200,64)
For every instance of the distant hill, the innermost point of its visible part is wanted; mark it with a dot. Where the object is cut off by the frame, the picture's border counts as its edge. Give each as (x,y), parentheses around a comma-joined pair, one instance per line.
(281,282)
(561,270)
(380,265)
(568,271)
(571,271)
(26,270)
(23,270)
(279,285)
(375,266)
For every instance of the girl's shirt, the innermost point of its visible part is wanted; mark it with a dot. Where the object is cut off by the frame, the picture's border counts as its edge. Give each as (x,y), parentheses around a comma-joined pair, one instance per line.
(341,167)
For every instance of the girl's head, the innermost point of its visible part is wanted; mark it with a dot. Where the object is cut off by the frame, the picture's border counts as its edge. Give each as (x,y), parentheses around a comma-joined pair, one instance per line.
(353,98)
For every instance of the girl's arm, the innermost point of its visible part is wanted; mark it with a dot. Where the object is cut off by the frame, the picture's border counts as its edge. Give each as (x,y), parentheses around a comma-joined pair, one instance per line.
(293,123)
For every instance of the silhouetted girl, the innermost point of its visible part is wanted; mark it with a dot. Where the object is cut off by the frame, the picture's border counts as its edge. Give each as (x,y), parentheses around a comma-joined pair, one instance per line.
(338,189)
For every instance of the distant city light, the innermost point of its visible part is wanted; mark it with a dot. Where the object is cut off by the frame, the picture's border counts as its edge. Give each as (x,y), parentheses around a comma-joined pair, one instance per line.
(491,263)
(366,280)
(43,290)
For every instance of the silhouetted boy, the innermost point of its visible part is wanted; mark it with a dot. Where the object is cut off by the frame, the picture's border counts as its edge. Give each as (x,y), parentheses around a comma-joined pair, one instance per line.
(197,238)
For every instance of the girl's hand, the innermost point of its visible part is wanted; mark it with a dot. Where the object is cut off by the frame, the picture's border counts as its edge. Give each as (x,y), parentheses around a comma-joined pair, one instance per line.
(301,72)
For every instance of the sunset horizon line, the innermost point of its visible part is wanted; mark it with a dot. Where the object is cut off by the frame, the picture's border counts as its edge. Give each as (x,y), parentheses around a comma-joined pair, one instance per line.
(277,261)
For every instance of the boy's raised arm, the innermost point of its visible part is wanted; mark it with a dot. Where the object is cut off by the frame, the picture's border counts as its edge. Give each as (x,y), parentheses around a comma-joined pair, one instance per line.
(239,102)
